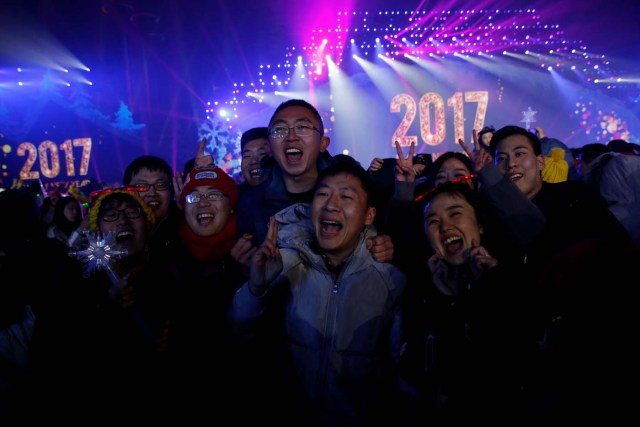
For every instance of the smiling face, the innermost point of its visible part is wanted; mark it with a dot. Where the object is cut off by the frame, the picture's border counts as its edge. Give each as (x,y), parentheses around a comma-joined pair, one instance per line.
(297,155)
(207,217)
(158,200)
(516,159)
(451,226)
(451,169)
(339,211)
(252,153)
(130,231)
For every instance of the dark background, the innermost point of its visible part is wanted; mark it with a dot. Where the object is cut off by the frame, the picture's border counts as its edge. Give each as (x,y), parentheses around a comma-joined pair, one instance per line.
(164,60)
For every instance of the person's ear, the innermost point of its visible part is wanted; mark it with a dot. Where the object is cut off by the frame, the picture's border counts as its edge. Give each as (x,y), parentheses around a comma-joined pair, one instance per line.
(325,141)
(540,159)
(371,215)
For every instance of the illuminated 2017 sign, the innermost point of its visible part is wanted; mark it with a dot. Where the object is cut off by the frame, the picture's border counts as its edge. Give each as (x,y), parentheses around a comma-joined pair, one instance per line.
(48,154)
(433,100)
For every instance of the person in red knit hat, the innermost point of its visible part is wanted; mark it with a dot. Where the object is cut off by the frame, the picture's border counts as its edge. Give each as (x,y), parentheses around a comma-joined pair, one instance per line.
(209,198)
(207,277)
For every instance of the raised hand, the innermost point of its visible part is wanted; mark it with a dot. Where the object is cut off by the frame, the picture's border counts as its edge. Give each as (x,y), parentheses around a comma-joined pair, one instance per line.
(266,262)
(178,184)
(479,259)
(478,155)
(243,250)
(203,159)
(441,275)
(381,247)
(404,166)
(376,164)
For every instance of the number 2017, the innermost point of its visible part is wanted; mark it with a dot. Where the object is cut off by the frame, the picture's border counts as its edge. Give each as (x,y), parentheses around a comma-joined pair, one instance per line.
(432,99)
(49,156)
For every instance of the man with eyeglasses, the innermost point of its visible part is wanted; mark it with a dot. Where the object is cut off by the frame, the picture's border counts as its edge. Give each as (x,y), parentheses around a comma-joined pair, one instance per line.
(105,331)
(152,177)
(120,214)
(299,149)
(208,277)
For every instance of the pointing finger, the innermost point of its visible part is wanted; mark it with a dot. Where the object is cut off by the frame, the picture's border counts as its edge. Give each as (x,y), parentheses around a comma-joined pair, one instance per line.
(203,143)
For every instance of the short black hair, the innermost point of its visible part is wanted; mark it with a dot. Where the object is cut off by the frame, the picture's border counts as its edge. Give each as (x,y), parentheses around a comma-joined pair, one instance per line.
(620,146)
(253,133)
(346,164)
(423,159)
(153,163)
(588,152)
(510,130)
(299,103)
(438,162)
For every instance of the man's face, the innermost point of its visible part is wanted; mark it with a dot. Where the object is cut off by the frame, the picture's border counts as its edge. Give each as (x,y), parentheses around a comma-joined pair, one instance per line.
(207,217)
(297,155)
(339,211)
(128,227)
(516,159)
(158,200)
(252,153)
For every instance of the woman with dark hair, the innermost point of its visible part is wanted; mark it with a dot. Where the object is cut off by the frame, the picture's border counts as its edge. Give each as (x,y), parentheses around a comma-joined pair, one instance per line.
(468,344)
(449,166)
(67,220)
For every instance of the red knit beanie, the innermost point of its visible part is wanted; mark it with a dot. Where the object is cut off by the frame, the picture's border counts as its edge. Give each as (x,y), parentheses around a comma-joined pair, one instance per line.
(210,176)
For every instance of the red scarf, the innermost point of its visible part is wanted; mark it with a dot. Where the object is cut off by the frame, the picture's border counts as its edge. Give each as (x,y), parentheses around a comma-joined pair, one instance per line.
(210,248)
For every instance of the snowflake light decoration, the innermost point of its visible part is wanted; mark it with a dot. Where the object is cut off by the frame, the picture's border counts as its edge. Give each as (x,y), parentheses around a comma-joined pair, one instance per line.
(98,255)
(223,144)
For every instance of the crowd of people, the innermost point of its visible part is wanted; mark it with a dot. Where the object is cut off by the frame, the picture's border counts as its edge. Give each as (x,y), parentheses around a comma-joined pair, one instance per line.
(483,284)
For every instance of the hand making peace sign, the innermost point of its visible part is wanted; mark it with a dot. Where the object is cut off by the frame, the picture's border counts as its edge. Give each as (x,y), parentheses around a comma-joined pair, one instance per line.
(404,166)
(479,156)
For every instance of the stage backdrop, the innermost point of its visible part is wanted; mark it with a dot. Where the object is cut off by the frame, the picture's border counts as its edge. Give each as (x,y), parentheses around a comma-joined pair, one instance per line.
(425,75)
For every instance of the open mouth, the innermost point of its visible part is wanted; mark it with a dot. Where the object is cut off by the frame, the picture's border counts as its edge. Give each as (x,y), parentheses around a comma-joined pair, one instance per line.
(330,227)
(255,173)
(124,236)
(515,177)
(293,154)
(205,218)
(453,244)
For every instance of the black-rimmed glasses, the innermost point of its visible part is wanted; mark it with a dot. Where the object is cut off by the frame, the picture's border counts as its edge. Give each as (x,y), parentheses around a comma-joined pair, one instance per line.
(111,214)
(281,131)
(159,186)
(212,196)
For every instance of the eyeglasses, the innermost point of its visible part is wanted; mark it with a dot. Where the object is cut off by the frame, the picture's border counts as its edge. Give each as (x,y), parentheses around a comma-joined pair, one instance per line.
(159,186)
(461,179)
(280,131)
(131,212)
(212,196)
